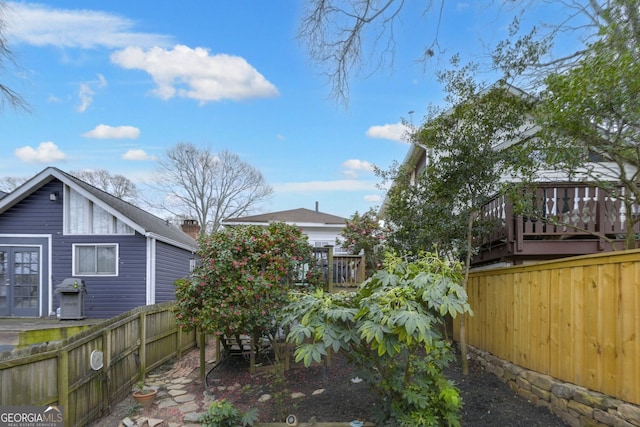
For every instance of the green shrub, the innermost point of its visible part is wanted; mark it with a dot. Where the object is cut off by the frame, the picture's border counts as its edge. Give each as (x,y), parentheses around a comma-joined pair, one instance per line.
(389,329)
(222,413)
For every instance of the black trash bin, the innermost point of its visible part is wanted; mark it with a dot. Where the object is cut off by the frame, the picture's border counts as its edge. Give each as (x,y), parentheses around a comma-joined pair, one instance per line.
(71,292)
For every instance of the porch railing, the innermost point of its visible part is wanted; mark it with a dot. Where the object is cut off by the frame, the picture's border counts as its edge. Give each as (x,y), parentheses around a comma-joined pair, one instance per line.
(339,271)
(558,211)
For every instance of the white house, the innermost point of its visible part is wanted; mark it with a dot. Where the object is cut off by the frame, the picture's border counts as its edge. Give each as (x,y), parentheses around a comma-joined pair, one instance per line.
(321,228)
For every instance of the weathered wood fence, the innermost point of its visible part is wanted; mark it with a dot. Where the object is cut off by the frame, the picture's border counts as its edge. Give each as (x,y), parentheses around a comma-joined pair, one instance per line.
(576,319)
(60,373)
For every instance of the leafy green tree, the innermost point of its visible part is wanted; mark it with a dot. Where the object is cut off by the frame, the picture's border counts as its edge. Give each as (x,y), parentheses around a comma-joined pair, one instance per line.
(243,279)
(592,112)
(364,233)
(475,149)
(389,329)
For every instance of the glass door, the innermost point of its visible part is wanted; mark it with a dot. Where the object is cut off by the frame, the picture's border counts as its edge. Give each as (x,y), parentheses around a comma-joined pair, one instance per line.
(19,281)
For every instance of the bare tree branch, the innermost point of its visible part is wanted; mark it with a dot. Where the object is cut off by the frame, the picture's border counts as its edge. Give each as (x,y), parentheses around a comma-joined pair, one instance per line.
(8,95)
(116,185)
(209,187)
(346,37)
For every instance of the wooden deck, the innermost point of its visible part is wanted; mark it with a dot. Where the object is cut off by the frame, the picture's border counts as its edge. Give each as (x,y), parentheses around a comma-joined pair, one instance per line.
(568,220)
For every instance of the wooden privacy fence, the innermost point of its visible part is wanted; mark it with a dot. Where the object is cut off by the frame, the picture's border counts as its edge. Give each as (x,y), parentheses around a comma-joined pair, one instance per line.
(60,373)
(576,319)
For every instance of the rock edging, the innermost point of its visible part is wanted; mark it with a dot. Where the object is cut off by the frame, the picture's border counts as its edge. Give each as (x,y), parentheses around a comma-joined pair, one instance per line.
(576,405)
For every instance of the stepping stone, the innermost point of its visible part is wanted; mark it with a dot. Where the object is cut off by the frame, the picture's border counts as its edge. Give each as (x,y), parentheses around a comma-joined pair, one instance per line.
(167,403)
(184,398)
(264,398)
(193,417)
(176,387)
(189,408)
(318,391)
(297,395)
(151,422)
(175,393)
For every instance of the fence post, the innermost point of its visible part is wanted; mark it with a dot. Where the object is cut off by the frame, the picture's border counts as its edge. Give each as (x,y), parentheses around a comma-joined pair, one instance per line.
(106,366)
(179,341)
(203,344)
(63,384)
(330,267)
(142,351)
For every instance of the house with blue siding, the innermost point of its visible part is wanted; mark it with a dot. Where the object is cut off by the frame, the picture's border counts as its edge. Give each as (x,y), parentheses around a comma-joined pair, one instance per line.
(55,227)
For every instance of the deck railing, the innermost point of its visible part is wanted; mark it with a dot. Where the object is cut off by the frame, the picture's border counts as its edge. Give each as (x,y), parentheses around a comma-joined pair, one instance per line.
(341,270)
(557,211)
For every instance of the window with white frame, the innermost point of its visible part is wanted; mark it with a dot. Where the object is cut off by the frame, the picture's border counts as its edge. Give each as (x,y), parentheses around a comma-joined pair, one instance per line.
(85,217)
(95,259)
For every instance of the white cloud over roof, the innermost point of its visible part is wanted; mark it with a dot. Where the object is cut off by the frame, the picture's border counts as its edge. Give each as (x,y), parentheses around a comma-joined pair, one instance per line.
(44,153)
(196,74)
(394,132)
(113,132)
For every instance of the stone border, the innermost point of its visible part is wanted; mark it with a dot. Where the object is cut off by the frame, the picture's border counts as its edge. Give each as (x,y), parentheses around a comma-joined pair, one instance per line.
(576,405)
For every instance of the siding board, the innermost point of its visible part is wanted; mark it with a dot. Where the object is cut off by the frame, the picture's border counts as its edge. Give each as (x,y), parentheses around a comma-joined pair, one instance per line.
(171,263)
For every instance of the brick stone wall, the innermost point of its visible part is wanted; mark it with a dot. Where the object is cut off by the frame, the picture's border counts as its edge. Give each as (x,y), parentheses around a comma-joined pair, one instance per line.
(576,405)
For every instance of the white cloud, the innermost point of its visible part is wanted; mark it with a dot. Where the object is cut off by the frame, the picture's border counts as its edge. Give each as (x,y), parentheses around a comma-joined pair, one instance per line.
(42,25)
(394,132)
(86,97)
(353,166)
(113,132)
(194,73)
(102,82)
(373,198)
(137,155)
(86,92)
(46,152)
(358,165)
(338,185)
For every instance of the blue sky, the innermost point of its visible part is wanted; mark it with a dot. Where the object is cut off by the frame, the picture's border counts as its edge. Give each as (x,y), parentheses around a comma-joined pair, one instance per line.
(112,84)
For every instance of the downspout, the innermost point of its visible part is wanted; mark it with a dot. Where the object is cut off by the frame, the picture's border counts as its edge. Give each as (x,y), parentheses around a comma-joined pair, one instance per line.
(151,271)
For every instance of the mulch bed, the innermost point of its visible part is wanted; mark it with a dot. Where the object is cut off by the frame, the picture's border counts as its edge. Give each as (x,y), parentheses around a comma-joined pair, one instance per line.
(487,400)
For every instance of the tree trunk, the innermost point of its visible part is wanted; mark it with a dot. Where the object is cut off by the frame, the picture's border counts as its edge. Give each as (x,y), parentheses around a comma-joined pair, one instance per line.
(463,323)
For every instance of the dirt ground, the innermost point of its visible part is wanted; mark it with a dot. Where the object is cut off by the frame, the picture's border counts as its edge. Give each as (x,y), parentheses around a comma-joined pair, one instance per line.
(487,400)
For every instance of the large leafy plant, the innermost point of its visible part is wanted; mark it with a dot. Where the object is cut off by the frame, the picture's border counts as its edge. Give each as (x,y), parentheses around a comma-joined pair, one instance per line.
(390,329)
(243,279)
(222,413)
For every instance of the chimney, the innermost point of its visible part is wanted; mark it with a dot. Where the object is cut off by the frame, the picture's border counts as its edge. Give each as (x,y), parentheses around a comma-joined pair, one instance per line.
(191,227)
(317,206)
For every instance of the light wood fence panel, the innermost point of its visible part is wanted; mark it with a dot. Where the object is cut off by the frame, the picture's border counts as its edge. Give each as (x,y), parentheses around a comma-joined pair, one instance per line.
(576,319)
